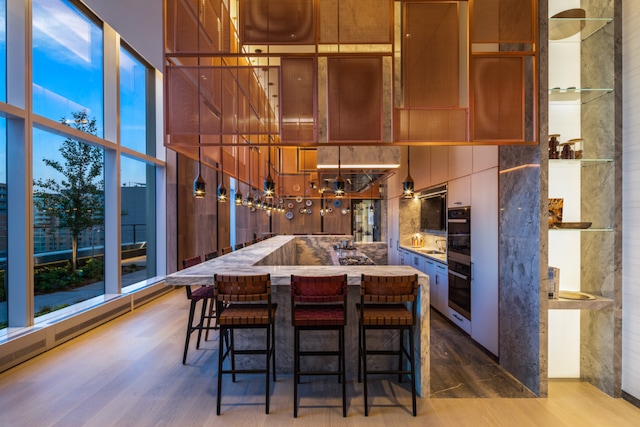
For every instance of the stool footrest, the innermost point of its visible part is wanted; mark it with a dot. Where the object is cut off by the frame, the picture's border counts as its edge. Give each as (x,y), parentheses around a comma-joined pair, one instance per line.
(319,373)
(319,353)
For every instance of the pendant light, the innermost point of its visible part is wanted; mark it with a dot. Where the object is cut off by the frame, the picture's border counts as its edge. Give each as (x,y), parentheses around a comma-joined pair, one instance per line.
(199,184)
(249,200)
(238,198)
(269,183)
(338,184)
(407,185)
(371,209)
(222,190)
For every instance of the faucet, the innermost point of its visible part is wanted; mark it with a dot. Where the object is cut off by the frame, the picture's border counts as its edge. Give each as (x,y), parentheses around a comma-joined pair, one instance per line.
(444,247)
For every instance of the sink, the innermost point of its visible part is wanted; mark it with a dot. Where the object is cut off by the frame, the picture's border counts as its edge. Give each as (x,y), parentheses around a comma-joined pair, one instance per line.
(431,251)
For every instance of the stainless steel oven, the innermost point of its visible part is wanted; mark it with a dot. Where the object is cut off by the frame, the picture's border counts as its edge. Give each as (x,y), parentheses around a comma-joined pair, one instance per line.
(460,287)
(459,259)
(459,233)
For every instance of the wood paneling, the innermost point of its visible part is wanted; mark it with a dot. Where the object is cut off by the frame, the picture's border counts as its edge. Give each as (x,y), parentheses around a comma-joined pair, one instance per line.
(355,99)
(497,109)
(430,59)
(502,21)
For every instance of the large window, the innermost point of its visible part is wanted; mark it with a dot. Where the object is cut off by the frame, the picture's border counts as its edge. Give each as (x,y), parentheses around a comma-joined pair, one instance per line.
(68,201)
(138,210)
(3,50)
(3,223)
(133,102)
(67,62)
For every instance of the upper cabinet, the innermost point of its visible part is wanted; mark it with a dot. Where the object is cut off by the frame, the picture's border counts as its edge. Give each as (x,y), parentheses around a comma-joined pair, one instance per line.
(468,72)
(585,183)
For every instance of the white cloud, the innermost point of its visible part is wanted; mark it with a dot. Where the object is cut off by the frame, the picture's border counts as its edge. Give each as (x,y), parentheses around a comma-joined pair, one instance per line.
(62,31)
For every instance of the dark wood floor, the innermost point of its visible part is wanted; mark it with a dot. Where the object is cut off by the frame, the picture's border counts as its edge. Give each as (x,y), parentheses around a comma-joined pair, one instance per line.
(461,368)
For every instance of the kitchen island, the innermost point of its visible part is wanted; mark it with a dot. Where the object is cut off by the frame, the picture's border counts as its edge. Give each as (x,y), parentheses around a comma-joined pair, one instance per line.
(282,256)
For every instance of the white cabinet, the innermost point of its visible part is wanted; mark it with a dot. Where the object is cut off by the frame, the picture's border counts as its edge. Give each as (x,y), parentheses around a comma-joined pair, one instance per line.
(485,157)
(439,165)
(460,320)
(484,259)
(442,283)
(438,284)
(393,227)
(459,192)
(460,161)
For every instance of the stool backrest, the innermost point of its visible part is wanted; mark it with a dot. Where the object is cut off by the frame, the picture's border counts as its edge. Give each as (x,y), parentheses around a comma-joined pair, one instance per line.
(232,288)
(389,289)
(190,262)
(226,250)
(210,255)
(319,289)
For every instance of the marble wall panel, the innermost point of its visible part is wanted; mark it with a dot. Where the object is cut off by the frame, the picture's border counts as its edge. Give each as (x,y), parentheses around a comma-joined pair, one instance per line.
(599,353)
(522,319)
(377,251)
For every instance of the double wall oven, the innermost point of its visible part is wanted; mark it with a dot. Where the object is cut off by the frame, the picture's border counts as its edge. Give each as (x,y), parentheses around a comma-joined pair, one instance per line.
(459,259)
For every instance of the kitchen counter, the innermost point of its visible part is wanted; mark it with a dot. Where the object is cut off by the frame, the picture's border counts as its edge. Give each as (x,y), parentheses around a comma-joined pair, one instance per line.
(282,256)
(440,257)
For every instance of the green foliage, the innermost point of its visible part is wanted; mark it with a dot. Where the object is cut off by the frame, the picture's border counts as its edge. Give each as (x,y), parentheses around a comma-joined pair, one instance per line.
(53,279)
(93,269)
(77,199)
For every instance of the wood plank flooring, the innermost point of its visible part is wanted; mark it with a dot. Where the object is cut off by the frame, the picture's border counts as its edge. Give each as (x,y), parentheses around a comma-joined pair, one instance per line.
(129,373)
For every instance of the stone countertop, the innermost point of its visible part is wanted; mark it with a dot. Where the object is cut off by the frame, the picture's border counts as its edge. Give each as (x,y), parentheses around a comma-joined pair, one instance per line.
(436,257)
(282,256)
(278,257)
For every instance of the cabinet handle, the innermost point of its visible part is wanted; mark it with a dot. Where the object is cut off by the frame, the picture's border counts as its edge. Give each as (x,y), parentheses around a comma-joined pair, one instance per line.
(437,279)
(457,317)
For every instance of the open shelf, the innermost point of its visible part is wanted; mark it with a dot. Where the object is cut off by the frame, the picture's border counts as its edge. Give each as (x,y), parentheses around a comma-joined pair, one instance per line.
(585,27)
(577,95)
(599,303)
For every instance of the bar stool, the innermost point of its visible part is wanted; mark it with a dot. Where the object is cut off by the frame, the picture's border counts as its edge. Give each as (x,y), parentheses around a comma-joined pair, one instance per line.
(244,302)
(210,255)
(226,250)
(319,303)
(239,246)
(382,306)
(204,294)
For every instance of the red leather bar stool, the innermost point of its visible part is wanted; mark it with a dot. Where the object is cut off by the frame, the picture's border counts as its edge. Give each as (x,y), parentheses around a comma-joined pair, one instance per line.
(382,305)
(244,302)
(318,304)
(204,294)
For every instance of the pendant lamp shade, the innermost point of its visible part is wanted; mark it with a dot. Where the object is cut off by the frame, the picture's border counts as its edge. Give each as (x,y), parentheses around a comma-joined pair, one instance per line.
(407,184)
(199,185)
(222,192)
(238,198)
(269,186)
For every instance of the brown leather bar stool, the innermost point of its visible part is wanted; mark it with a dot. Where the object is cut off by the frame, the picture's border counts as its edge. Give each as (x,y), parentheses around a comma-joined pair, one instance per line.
(244,302)
(382,306)
(226,250)
(318,304)
(204,294)
(210,255)
(239,246)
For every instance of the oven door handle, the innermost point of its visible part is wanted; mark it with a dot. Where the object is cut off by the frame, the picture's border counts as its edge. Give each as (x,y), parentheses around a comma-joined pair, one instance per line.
(461,276)
(458,221)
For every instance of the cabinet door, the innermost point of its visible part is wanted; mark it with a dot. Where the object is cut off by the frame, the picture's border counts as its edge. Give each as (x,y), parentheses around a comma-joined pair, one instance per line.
(484,259)
(429,268)
(460,161)
(485,157)
(459,192)
(442,281)
(439,165)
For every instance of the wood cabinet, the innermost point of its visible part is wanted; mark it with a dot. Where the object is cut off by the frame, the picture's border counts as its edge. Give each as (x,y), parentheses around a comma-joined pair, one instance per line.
(460,161)
(439,165)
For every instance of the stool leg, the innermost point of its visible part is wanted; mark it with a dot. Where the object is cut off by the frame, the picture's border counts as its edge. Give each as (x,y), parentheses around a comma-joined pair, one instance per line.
(273,349)
(412,359)
(343,375)
(296,369)
(364,369)
(192,309)
(201,322)
(212,309)
(267,379)
(233,356)
(220,360)
(400,351)
(359,353)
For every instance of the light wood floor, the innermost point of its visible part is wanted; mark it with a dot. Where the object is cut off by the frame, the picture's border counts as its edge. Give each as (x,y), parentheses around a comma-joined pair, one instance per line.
(129,373)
